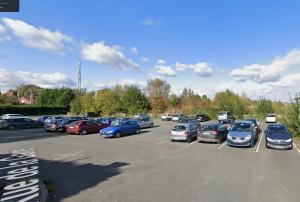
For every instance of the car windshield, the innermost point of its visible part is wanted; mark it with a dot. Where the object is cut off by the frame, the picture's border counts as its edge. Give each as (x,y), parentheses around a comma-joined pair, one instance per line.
(271,115)
(179,128)
(116,123)
(241,127)
(277,129)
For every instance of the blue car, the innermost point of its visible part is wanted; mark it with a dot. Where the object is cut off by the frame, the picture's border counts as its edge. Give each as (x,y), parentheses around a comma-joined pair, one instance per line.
(120,128)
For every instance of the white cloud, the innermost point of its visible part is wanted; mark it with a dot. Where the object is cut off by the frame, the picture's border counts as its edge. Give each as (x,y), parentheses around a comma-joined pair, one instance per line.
(161,62)
(110,84)
(104,54)
(165,70)
(150,22)
(201,68)
(134,50)
(3,36)
(10,79)
(262,73)
(37,37)
(277,90)
(145,59)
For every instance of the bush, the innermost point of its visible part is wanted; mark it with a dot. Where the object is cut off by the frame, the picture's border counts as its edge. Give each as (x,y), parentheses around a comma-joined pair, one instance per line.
(292,116)
(31,110)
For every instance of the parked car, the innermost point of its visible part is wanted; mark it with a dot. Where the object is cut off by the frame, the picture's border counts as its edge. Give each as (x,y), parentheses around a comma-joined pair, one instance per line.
(184,132)
(225,115)
(43,118)
(52,125)
(255,123)
(141,115)
(278,137)
(271,118)
(176,117)
(9,116)
(166,117)
(145,122)
(227,123)
(242,133)
(202,117)
(51,118)
(184,119)
(84,127)
(19,123)
(121,128)
(62,126)
(107,120)
(214,132)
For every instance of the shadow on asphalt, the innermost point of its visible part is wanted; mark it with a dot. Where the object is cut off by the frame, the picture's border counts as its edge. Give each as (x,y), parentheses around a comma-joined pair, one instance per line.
(71,178)
(67,179)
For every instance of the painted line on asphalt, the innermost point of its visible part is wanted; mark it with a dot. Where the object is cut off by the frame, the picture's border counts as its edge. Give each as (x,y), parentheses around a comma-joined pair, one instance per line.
(191,143)
(257,149)
(297,148)
(22,137)
(222,145)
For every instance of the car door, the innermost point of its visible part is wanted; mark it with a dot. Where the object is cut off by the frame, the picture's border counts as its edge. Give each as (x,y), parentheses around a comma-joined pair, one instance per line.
(23,123)
(125,128)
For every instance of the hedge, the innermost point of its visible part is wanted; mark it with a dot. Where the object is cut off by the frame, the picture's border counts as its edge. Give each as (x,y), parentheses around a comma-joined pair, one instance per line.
(32,110)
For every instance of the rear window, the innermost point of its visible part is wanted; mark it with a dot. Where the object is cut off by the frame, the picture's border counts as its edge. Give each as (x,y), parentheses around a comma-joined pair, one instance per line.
(179,128)
(222,113)
(209,127)
(271,115)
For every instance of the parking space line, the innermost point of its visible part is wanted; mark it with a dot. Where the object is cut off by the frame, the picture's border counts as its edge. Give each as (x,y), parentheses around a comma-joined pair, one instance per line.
(191,143)
(222,145)
(257,149)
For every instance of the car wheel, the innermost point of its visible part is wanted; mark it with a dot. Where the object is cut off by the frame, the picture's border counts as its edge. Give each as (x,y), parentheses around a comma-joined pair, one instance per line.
(137,131)
(189,139)
(11,127)
(83,132)
(118,134)
(252,143)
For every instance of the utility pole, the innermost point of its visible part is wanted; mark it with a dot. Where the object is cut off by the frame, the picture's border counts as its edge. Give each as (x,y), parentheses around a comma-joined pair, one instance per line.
(79,77)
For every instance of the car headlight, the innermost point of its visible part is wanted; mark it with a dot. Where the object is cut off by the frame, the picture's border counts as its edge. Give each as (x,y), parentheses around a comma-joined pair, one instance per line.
(269,139)
(289,140)
(248,137)
(229,136)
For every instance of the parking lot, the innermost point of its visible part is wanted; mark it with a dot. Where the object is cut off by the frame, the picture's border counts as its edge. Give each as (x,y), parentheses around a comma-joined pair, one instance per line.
(149,167)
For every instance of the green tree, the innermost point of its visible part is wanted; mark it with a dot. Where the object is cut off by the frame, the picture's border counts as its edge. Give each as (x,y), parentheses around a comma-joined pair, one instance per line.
(264,107)
(158,104)
(158,87)
(76,106)
(88,101)
(292,116)
(108,102)
(134,101)
(8,100)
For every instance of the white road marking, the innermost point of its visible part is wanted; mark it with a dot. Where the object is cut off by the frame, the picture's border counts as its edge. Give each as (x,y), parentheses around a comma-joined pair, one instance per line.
(222,145)
(4,138)
(191,143)
(297,148)
(257,149)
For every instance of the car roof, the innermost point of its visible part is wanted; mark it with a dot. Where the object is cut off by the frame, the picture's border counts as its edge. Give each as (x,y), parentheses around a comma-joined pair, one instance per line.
(249,122)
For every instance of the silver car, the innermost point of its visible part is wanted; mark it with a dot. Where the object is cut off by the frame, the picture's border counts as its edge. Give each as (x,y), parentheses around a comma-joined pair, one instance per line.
(184,132)
(145,122)
(242,134)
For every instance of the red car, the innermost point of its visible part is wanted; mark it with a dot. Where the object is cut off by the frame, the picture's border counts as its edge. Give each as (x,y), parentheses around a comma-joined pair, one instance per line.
(84,127)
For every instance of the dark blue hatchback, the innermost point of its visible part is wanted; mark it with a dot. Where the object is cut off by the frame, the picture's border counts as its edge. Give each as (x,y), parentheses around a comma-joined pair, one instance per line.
(278,137)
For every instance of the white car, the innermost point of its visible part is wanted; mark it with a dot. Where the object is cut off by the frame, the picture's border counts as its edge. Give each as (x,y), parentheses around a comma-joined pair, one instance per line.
(166,117)
(176,117)
(271,118)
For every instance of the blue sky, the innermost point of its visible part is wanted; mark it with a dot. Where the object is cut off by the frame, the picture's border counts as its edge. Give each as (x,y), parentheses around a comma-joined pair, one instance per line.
(246,46)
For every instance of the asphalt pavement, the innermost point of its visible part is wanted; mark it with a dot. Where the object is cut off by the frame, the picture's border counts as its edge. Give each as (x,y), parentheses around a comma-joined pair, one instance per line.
(149,167)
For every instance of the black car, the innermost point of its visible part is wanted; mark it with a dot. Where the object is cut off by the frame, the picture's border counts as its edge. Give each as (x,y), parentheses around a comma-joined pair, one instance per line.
(62,125)
(19,123)
(184,119)
(278,137)
(202,117)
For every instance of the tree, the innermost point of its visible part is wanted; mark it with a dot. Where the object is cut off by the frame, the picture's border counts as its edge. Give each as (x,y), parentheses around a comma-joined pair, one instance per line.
(292,116)
(174,100)
(264,107)
(108,102)
(10,100)
(88,101)
(76,106)
(134,101)
(158,87)
(56,97)
(158,104)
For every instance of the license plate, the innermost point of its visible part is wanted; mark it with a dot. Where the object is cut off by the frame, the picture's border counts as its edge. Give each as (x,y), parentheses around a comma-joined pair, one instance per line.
(206,133)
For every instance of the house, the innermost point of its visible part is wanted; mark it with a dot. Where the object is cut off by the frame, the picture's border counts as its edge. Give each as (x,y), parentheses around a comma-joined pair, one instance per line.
(27,100)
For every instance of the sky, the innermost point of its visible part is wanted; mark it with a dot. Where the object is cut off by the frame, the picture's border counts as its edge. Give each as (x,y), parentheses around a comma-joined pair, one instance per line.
(250,47)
